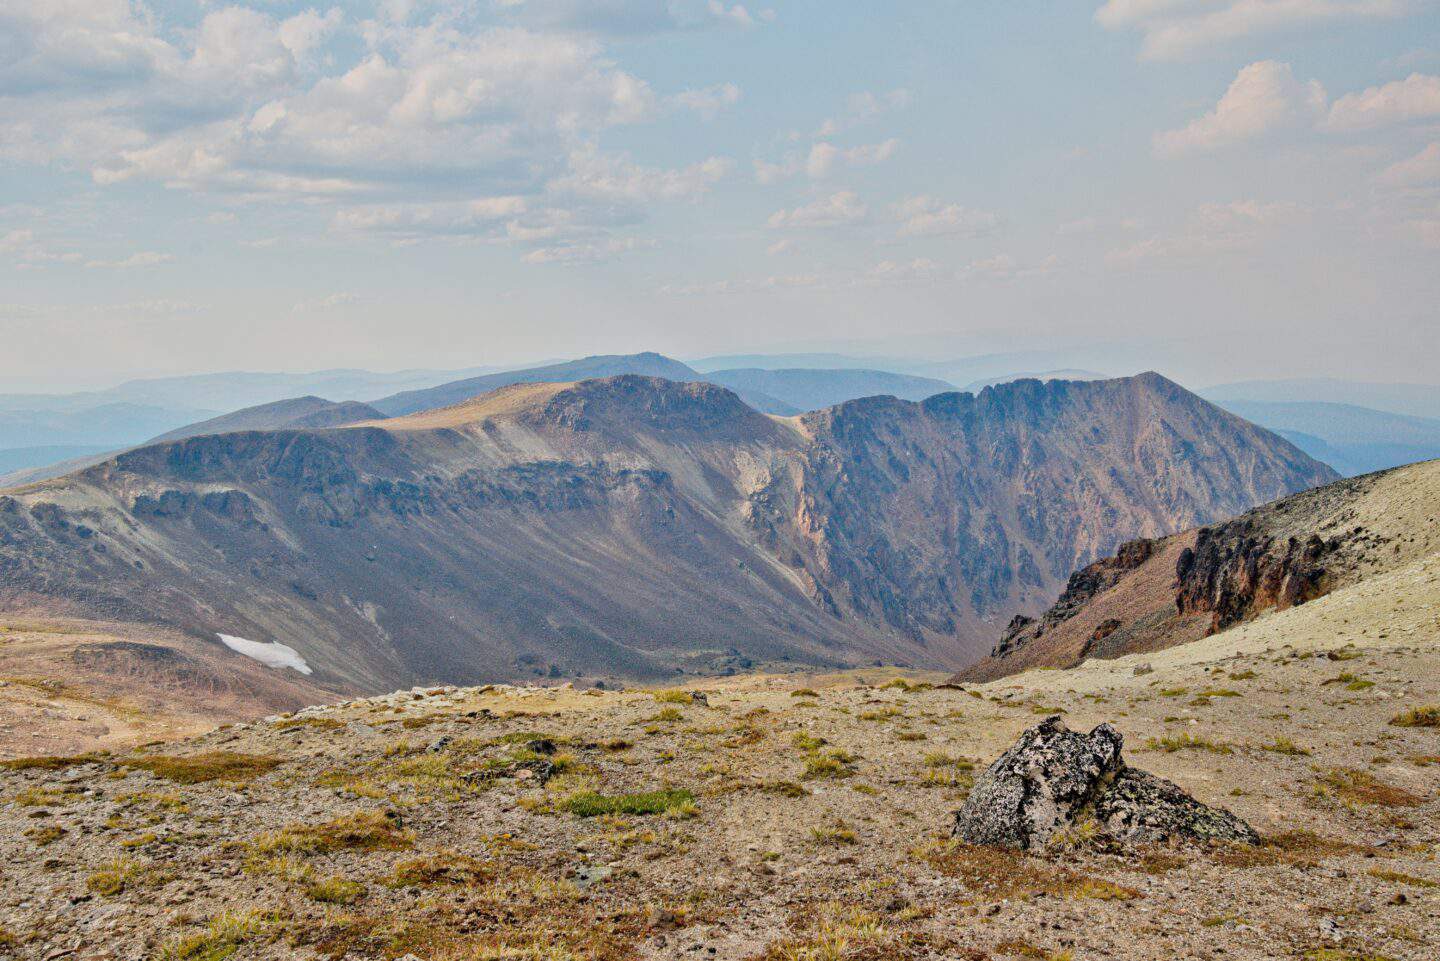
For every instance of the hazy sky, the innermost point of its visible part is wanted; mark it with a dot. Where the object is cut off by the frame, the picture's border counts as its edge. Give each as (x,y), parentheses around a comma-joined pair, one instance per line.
(1234,188)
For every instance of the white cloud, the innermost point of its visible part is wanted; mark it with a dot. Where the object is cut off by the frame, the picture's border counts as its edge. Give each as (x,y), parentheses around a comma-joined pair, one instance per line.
(1006,267)
(723,287)
(928,217)
(335,301)
(736,14)
(862,108)
(380,128)
(1212,229)
(1174,29)
(31,253)
(709,102)
(425,101)
(921,270)
(1265,97)
(305,31)
(143,258)
(486,215)
(570,255)
(628,17)
(822,159)
(606,179)
(785,246)
(1417,97)
(1417,171)
(837,210)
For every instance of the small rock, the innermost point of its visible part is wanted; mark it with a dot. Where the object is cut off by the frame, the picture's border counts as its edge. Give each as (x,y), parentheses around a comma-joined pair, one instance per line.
(1143,668)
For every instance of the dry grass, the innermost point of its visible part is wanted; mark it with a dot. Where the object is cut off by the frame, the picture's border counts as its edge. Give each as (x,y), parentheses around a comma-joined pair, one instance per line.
(441,869)
(1428,716)
(1302,848)
(1361,787)
(221,938)
(995,874)
(1188,742)
(52,762)
(589,804)
(1397,877)
(361,831)
(210,766)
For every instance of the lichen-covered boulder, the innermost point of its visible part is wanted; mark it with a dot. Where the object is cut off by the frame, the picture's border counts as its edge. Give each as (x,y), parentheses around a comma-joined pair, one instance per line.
(1054,779)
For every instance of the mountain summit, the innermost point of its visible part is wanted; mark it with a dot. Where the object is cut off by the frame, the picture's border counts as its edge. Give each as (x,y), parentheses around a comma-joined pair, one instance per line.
(635,526)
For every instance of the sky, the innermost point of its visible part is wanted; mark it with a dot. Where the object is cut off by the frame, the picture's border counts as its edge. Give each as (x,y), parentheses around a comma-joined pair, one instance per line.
(1219,189)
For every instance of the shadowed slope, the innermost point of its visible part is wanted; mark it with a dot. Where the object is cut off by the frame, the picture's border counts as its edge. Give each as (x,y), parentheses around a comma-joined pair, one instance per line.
(634,526)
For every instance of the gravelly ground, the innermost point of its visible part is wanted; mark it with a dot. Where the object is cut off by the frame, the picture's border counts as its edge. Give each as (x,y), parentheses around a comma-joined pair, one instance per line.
(817,827)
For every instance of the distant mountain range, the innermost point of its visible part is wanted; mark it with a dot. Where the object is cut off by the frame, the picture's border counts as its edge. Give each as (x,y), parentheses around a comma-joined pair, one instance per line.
(233,390)
(1353,440)
(800,389)
(633,526)
(43,436)
(1414,400)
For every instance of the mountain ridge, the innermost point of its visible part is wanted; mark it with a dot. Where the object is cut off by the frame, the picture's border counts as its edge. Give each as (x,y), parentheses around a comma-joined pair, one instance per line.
(1158,593)
(633,526)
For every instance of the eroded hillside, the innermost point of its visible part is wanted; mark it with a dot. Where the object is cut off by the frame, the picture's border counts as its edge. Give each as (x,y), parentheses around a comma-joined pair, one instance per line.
(634,527)
(1155,594)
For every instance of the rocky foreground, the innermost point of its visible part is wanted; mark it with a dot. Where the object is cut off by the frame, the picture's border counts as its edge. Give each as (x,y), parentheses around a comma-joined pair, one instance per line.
(761,818)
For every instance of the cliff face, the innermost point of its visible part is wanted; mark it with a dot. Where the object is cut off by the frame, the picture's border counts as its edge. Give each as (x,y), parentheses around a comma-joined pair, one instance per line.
(1155,594)
(633,526)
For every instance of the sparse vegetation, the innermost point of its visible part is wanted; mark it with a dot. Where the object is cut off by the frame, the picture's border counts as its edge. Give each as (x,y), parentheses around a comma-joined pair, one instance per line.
(114,877)
(1428,716)
(361,831)
(1188,742)
(210,766)
(439,869)
(589,804)
(335,891)
(996,874)
(835,764)
(1361,787)
(221,938)
(1398,877)
(834,834)
(51,762)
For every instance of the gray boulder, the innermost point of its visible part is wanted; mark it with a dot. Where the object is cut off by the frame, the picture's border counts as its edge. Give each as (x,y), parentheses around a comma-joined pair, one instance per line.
(1054,780)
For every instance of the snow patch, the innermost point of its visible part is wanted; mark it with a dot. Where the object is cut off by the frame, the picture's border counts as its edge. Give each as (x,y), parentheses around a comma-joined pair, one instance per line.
(271,655)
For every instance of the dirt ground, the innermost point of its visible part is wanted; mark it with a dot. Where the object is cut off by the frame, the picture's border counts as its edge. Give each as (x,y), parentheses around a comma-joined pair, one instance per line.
(787,818)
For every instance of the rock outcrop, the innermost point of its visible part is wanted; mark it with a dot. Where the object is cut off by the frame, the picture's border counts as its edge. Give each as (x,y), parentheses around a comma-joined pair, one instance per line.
(1159,593)
(1055,781)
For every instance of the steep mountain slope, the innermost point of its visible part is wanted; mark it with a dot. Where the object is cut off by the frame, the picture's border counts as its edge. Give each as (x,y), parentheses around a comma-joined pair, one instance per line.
(632,526)
(1353,440)
(1155,594)
(804,389)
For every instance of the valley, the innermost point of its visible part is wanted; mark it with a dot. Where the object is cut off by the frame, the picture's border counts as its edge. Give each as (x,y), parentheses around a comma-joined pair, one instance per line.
(633,528)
